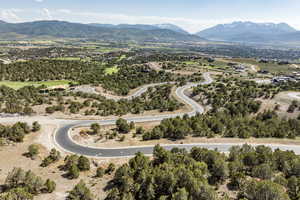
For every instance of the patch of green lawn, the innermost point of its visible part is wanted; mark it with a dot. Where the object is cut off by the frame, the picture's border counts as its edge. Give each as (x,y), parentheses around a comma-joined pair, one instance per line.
(17,85)
(272,67)
(191,63)
(122,58)
(107,49)
(111,70)
(67,58)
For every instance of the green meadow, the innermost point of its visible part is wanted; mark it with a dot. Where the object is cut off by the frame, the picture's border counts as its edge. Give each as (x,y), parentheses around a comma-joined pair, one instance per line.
(111,70)
(17,85)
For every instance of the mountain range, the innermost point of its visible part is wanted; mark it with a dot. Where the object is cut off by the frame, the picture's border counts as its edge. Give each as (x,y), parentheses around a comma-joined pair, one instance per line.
(108,32)
(249,32)
(240,32)
(144,27)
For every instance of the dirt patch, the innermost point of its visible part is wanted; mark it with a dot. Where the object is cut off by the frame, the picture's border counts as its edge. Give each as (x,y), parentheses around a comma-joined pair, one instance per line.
(13,158)
(155,66)
(284,100)
(111,95)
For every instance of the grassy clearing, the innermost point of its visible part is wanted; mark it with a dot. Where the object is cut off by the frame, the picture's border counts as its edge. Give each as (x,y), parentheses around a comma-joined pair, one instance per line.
(111,70)
(108,49)
(72,59)
(122,58)
(68,58)
(17,85)
(271,66)
(203,63)
(191,63)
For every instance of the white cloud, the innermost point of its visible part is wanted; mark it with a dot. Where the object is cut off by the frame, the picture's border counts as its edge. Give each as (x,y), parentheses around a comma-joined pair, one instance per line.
(46,14)
(191,25)
(39,1)
(10,15)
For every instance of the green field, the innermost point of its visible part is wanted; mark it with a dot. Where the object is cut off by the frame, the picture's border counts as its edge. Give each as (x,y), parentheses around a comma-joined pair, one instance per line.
(111,70)
(217,64)
(67,58)
(122,58)
(272,67)
(108,49)
(17,85)
(191,63)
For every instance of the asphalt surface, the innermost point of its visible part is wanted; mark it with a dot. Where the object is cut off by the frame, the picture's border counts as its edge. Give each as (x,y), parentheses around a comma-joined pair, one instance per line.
(64,141)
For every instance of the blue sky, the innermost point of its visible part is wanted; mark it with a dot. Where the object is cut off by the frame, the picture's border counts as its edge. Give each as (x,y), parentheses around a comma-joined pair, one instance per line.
(192,15)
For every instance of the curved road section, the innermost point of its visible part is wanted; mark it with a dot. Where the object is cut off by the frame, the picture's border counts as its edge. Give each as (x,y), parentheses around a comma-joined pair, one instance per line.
(63,139)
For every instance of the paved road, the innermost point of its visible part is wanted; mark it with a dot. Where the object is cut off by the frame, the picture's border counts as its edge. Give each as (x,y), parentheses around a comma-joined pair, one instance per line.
(263,81)
(5,61)
(65,142)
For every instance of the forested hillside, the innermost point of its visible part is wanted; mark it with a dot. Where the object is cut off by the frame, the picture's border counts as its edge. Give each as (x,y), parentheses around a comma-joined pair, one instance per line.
(61,29)
(249,173)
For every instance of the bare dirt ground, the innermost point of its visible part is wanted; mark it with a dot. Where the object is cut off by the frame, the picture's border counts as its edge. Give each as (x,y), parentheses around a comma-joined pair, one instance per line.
(11,156)
(284,101)
(112,95)
(296,66)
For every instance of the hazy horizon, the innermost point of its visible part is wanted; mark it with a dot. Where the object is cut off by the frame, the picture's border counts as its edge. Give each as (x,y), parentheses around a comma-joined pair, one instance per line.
(190,15)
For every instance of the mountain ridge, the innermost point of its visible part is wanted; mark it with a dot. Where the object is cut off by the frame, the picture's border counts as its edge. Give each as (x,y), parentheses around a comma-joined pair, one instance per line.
(171,27)
(249,32)
(64,29)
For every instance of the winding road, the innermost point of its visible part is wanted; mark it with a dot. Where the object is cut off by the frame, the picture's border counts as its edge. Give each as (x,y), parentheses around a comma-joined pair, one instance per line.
(64,141)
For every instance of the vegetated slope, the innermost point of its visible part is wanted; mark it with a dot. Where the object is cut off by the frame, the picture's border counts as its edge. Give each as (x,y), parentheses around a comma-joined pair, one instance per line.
(171,27)
(145,27)
(246,173)
(251,32)
(63,29)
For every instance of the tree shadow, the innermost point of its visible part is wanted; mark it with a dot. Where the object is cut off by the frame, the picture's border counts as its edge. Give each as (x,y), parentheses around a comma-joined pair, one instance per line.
(110,185)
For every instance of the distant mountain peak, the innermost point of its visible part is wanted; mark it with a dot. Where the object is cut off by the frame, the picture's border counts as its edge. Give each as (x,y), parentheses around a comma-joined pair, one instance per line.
(248,24)
(247,32)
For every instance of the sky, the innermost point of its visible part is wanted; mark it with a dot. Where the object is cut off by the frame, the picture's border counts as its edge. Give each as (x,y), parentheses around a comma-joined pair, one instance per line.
(192,15)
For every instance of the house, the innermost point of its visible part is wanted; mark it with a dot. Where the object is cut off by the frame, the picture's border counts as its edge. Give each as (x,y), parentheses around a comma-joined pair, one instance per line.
(239,68)
(282,79)
(263,71)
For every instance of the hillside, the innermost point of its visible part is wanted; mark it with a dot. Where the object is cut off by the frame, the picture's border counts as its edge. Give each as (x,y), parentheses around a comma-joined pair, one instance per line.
(171,27)
(250,32)
(145,27)
(61,29)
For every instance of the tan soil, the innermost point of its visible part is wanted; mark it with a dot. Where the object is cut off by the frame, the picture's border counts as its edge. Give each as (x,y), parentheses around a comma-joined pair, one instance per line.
(284,101)
(11,156)
(111,94)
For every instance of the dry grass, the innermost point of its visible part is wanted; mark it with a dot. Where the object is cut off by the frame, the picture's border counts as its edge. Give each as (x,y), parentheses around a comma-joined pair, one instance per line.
(11,156)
